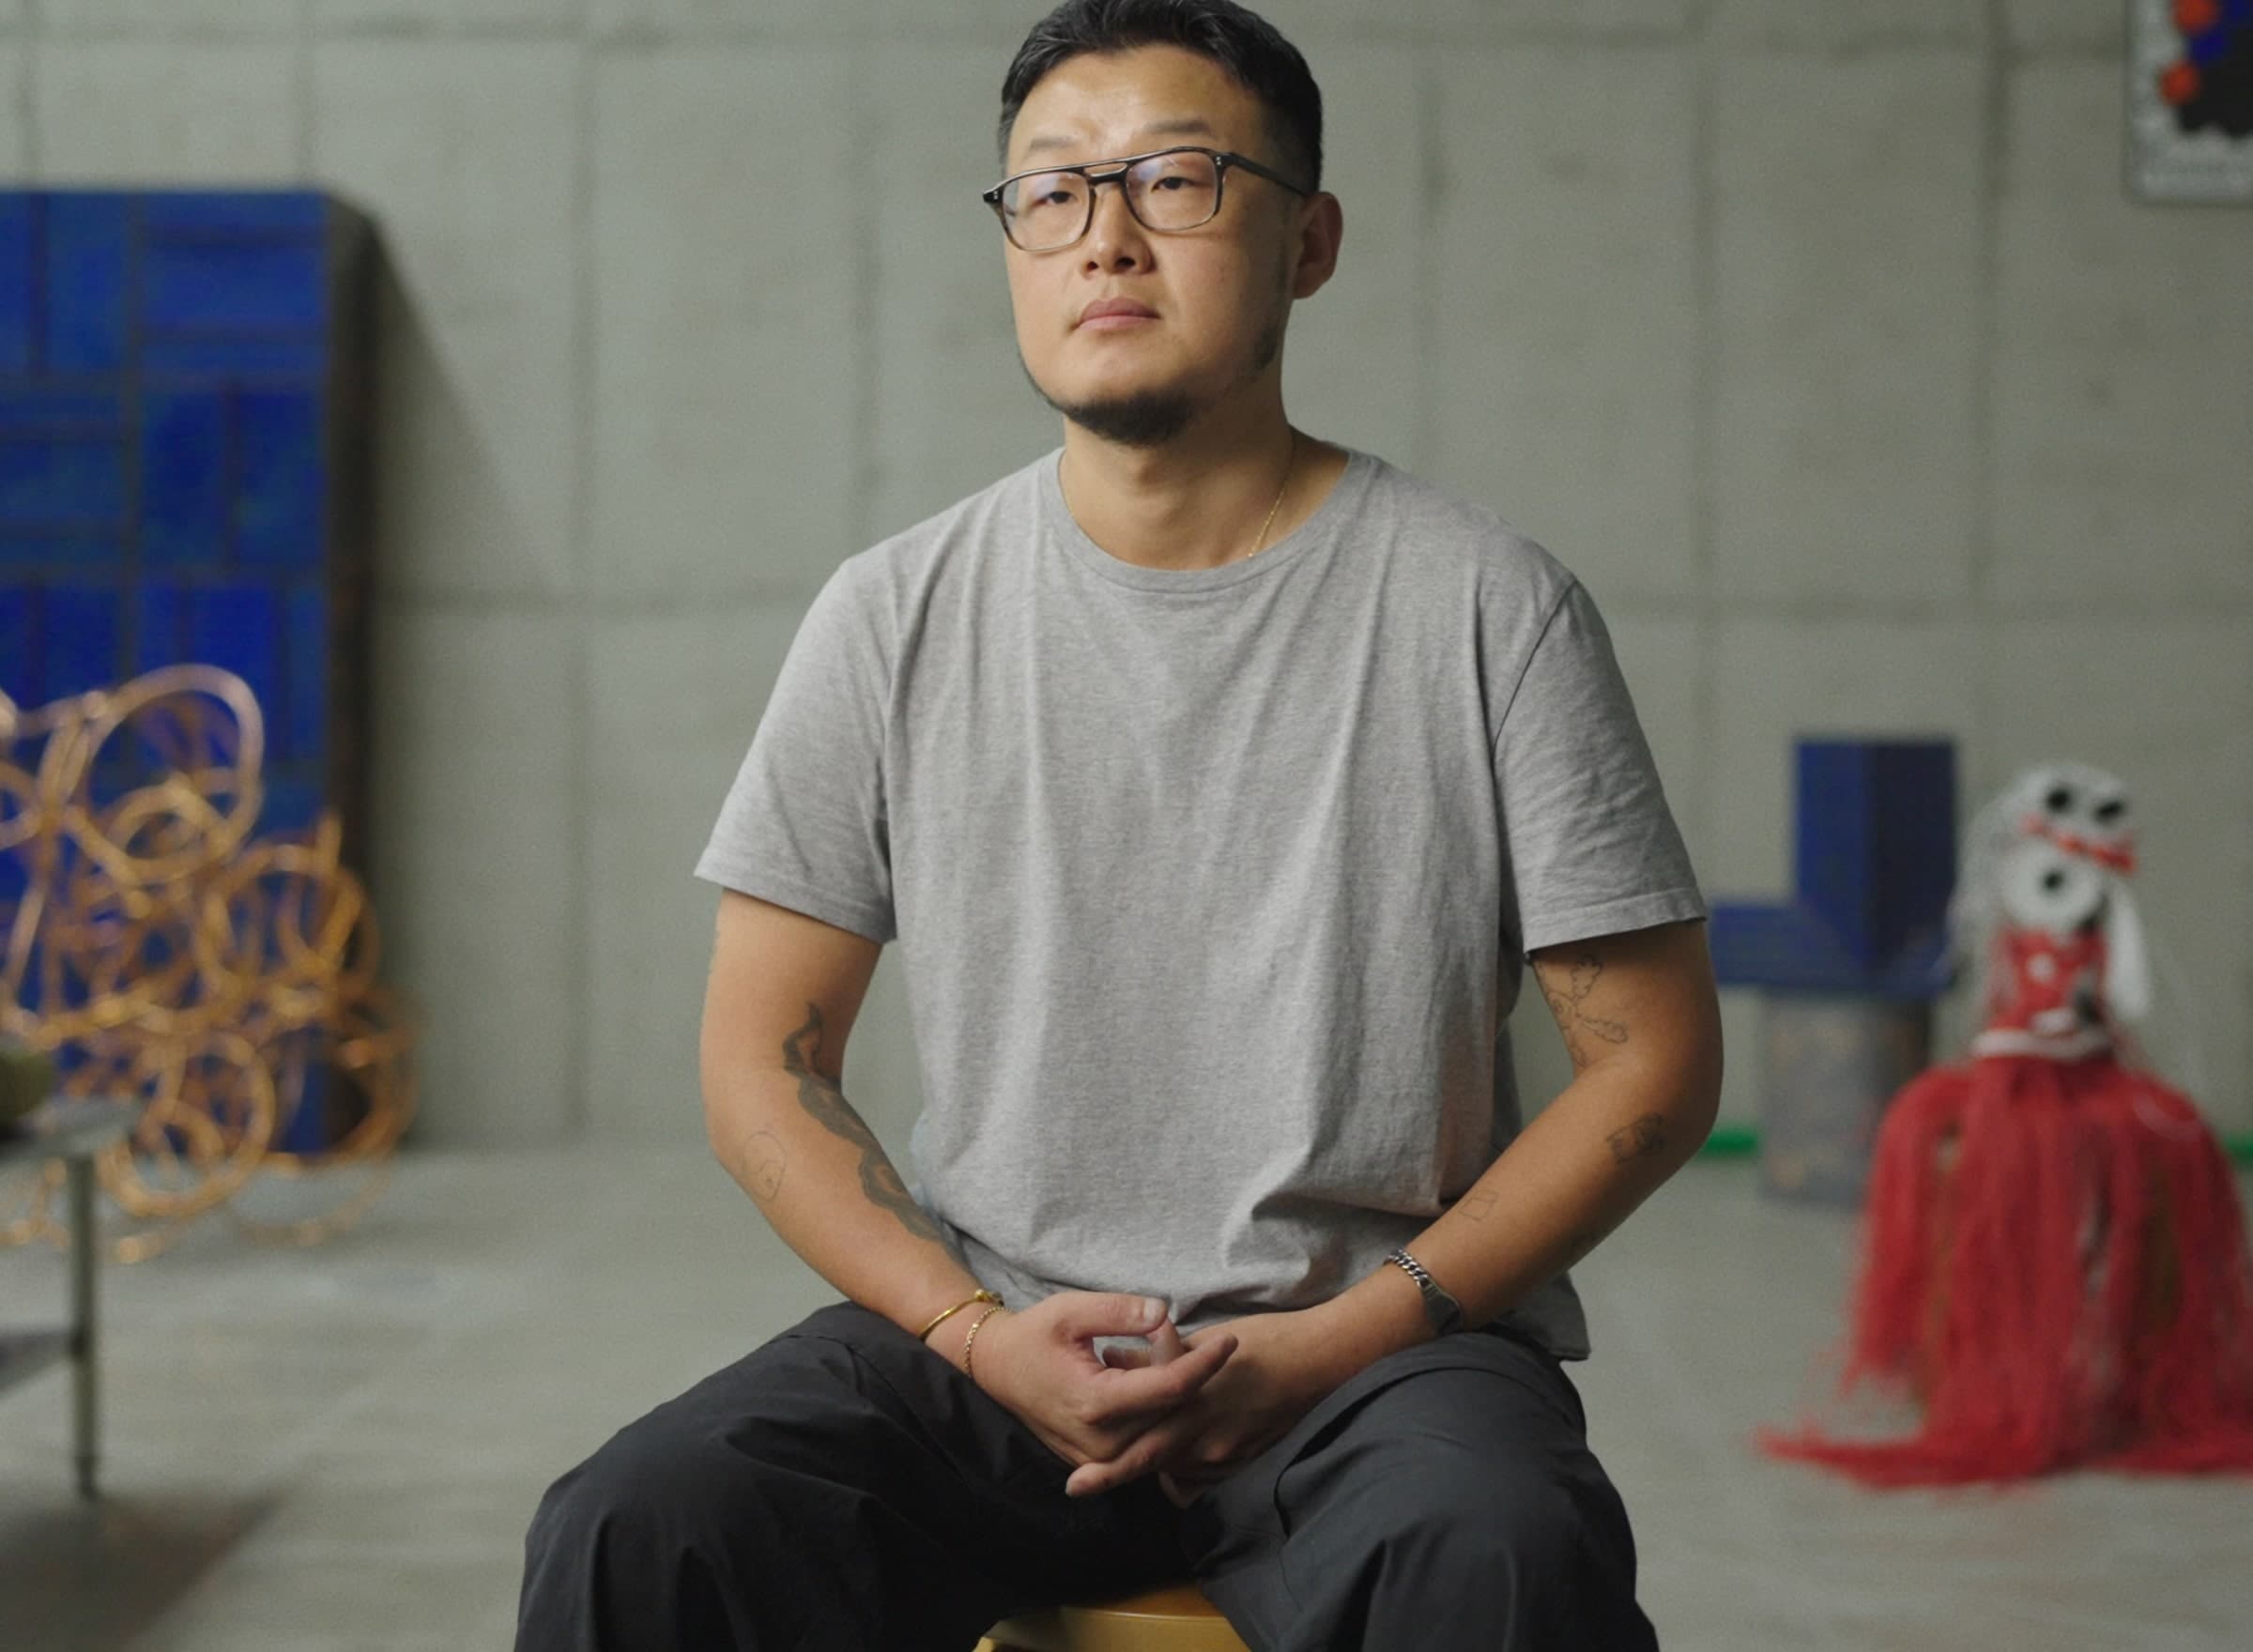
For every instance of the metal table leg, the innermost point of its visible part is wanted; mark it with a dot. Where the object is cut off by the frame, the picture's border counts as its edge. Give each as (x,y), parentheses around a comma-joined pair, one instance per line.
(84,1344)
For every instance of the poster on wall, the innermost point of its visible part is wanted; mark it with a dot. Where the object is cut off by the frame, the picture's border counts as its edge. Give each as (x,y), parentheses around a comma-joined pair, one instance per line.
(2190,100)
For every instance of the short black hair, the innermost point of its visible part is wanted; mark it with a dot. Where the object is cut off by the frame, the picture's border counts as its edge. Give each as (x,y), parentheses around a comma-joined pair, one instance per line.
(1248,46)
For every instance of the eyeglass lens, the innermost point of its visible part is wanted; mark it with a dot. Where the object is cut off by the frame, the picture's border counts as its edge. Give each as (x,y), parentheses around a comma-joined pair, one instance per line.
(1049,209)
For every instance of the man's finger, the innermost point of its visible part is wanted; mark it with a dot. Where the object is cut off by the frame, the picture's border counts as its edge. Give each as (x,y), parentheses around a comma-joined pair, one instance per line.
(1166,1344)
(1136,1391)
(1086,1315)
(1154,1447)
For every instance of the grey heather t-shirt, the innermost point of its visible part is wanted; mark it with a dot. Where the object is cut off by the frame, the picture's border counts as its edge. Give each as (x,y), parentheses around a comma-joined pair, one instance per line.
(1212,887)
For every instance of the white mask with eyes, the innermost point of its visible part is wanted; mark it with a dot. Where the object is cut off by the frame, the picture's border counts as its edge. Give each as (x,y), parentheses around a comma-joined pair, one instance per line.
(2039,886)
(2075,803)
(2074,822)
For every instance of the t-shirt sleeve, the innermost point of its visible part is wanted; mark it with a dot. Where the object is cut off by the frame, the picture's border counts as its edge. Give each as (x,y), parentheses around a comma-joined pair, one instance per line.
(804,824)
(1593,848)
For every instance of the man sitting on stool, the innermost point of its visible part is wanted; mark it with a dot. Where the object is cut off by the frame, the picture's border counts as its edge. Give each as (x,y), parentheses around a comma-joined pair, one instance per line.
(1216,783)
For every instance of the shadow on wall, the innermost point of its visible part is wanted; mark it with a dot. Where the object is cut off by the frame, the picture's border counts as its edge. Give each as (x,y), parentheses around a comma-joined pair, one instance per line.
(446,535)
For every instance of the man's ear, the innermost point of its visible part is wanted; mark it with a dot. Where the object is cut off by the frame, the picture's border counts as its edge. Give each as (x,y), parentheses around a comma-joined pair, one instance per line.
(1321,228)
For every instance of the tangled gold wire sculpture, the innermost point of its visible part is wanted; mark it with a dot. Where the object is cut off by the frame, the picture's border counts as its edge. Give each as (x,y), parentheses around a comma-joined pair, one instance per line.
(223,981)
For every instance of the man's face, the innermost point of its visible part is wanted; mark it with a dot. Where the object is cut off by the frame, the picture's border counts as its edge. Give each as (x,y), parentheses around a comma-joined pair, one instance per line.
(1220,292)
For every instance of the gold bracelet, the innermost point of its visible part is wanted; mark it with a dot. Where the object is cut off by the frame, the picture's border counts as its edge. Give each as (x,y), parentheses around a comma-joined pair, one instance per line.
(975,1297)
(970,1341)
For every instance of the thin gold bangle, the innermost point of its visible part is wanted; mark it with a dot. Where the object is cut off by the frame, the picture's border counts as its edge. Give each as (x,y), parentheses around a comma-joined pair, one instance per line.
(975,1297)
(970,1341)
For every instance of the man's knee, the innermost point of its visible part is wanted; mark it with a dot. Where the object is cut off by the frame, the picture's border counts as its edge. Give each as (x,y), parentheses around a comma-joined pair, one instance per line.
(648,1481)
(1540,1551)
(667,1535)
(706,1470)
(1525,1525)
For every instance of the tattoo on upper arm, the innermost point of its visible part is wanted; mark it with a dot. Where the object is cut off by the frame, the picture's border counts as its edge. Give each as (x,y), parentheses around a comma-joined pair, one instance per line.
(1587,969)
(820,1096)
(1568,990)
(1640,1140)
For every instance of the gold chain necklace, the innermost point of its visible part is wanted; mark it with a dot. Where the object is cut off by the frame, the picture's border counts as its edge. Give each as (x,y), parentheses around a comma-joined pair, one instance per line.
(1289,471)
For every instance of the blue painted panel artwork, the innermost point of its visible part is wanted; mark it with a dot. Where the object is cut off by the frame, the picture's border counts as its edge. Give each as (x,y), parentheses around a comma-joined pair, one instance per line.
(179,454)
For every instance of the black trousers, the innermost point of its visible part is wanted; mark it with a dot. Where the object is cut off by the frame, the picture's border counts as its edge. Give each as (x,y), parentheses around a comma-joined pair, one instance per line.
(842,1488)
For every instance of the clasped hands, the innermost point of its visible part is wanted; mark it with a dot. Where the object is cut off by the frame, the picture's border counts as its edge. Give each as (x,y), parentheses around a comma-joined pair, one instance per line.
(1190,1409)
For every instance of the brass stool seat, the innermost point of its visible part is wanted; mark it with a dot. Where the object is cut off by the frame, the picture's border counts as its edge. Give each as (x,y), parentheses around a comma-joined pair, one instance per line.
(1177,1618)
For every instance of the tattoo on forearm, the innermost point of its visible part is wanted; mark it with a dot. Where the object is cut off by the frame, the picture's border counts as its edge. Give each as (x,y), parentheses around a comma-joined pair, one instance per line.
(764,1162)
(1640,1140)
(1477,1206)
(822,1097)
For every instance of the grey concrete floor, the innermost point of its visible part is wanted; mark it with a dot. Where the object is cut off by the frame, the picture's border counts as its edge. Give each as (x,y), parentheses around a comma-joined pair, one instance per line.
(338,1448)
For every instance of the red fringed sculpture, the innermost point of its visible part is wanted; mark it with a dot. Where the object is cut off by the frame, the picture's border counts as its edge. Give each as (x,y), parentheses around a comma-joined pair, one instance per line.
(2055,1265)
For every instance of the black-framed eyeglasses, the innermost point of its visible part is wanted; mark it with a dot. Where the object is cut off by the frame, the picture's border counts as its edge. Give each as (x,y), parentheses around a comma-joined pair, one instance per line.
(1167,190)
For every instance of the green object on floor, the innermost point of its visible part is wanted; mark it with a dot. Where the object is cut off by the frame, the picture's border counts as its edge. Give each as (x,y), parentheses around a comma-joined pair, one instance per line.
(26,1080)
(1741,1140)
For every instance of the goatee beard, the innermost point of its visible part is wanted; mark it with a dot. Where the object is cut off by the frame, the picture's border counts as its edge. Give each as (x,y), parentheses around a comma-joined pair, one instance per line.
(1151,419)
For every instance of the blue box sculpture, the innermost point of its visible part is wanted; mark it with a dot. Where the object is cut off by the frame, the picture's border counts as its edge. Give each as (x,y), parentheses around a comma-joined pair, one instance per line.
(184,462)
(1874,864)
(1849,966)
